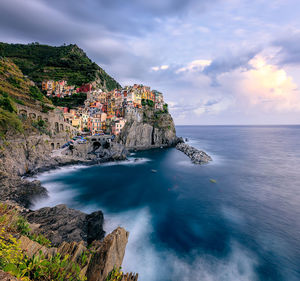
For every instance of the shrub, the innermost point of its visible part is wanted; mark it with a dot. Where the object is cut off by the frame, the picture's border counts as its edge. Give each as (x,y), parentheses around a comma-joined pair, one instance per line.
(41,125)
(35,93)
(150,103)
(144,103)
(41,239)
(23,226)
(115,275)
(11,256)
(165,108)
(6,103)
(9,120)
(13,81)
(46,108)
(38,268)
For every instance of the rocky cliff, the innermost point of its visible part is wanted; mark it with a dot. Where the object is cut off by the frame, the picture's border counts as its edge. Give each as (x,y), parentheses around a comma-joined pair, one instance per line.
(148,128)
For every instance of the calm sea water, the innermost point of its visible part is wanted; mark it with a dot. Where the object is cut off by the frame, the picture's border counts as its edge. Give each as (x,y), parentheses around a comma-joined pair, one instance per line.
(246,226)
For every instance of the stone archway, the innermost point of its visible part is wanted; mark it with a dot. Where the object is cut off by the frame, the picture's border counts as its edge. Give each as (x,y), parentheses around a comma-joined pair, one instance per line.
(61,127)
(52,146)
(32,115)
(96,145)
(23,112)
(58,145)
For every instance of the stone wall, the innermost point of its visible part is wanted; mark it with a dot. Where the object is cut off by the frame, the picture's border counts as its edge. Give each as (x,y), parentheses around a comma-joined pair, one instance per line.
(54,118)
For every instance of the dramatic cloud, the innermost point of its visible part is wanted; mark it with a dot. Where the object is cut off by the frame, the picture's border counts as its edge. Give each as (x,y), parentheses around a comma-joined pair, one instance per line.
(228,63)
(215,61)
(271,87)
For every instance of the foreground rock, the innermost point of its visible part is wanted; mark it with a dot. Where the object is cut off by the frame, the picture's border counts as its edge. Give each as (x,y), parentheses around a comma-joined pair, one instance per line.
(102,256)
(61,223)
(109,253)
(197,156)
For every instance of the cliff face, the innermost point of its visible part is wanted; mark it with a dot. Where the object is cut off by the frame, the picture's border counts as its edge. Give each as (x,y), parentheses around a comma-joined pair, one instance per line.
(148,128)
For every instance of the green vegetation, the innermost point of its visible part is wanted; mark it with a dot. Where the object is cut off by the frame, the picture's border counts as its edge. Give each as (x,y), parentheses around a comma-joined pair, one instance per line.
(38,268)
(17,86)
(165,108)
(14,261)
(115,275)
(41,125)
(14,82)
(147,102)
(9,121)
(46,108)
(15,89)
(14,223)
(6,103)
(22,226)
(70,101)
(42,62)
(35,93)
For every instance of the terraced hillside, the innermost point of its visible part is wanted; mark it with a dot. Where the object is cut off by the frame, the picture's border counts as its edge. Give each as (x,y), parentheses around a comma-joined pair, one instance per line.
(69,62)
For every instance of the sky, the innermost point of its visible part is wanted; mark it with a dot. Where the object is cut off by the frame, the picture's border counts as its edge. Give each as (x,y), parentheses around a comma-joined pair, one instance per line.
(217,62)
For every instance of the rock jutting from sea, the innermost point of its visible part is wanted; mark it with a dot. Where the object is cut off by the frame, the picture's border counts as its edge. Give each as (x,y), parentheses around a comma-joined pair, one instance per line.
(197,156)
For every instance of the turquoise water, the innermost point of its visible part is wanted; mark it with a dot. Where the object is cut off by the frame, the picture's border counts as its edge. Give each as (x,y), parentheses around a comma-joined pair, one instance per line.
(246,226)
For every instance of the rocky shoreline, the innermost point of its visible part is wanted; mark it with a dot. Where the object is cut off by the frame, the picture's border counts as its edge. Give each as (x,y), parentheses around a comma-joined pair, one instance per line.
(197,156)
(70,230)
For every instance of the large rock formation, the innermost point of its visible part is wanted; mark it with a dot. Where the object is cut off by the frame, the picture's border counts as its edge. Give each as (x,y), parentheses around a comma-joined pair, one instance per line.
(148,128)
(61,223)
(109,254)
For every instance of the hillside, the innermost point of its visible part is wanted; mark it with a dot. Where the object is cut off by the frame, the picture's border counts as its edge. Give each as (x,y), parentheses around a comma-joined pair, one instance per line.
(43,62)
(16,89)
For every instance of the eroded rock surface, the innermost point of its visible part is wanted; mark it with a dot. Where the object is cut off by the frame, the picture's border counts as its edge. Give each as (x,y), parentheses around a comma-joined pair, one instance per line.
(61,223)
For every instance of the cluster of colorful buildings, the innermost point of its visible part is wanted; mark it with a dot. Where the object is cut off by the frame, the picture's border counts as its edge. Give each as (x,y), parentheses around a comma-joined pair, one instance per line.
(61,88)
(105,112)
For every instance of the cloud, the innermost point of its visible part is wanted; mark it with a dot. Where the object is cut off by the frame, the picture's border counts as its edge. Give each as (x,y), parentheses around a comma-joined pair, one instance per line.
(162,67)
(182,48)
(289,49)
(196,65)
(270,87)
(229,63)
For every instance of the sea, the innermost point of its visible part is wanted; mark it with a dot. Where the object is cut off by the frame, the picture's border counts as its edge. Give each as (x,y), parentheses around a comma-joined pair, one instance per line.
(236,218)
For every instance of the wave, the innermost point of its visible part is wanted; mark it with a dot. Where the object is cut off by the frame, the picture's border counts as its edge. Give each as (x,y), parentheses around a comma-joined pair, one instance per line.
(153,262)
(129,161)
